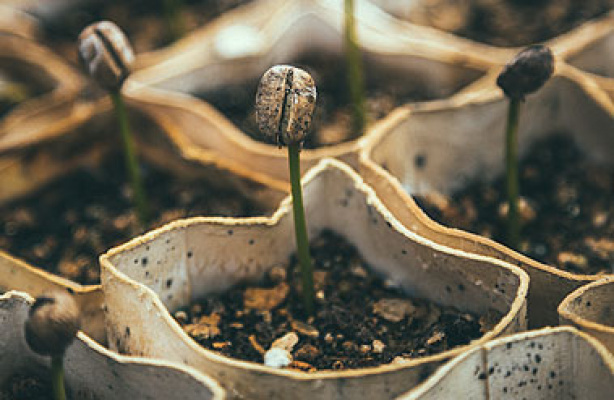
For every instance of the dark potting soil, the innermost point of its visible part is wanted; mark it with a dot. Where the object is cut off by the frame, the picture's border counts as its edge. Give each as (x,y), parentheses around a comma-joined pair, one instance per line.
(360,321)
(143,21)
(508,23)
(568,212)
(67,224)
(27,387)
(332,120)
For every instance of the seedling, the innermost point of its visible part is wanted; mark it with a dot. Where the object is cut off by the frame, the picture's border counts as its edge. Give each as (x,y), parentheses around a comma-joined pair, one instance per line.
(524,74)
(284,105)
(52,324)
(354,72)
(107,56)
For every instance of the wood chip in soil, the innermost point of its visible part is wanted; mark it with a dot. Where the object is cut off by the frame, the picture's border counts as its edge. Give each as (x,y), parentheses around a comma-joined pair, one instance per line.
(67,224)
(360,320)
(567,208)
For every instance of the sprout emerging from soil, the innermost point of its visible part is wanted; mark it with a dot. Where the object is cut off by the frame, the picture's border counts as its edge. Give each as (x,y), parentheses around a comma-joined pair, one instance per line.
(107,56)
(524,74)
(354,72)
(284,105)
(53,322)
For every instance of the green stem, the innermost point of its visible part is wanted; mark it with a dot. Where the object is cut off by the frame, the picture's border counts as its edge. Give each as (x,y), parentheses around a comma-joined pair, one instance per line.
(511,158)
(300,228)
(355,72)
(57,377)
(176,27)
(132,163)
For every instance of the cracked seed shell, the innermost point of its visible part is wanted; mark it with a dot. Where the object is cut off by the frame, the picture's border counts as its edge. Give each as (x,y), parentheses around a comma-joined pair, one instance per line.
(106,54)
(285,102)
(53,322)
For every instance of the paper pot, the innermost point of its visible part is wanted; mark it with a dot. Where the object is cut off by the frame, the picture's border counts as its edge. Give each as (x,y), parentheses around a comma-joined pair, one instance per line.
(441,146)
(552,363)
(191,258)
(235,50)
(92,371)
(589,308)
(51,82)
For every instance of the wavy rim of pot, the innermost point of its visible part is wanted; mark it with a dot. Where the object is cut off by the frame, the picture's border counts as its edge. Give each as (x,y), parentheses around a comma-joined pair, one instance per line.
(513,309)
(566,311)
(65,85)
(448,367)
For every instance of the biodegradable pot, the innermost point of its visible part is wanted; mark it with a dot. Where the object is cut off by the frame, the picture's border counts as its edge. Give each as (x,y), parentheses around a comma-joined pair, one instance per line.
(191,258)
(17,22)
(59,84)
(590,50)
(92,371)
(552,363)
(589,308)
(236,49)
(461,139)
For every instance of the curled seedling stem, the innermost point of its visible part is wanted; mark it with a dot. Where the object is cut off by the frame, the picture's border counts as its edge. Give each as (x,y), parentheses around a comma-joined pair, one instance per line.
(284,106)
(355,74)
(524,74)
(107,55)
(53,322)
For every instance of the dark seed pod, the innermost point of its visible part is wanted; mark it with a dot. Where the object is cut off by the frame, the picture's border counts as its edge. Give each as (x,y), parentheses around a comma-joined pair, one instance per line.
(527,72)
(53,322)
(106,54)
(285,102)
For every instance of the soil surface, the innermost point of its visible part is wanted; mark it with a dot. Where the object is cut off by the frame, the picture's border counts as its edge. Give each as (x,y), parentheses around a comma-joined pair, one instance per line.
(386,88)
(568,208)
(143,21)
(361,321)
(66,225)
(25,387)
(506,23)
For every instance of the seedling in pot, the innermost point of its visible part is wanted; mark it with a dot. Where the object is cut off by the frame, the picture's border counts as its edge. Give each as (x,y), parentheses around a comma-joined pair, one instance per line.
(53,322)
(355,73)
(107,56)
(284,106)
(524,74)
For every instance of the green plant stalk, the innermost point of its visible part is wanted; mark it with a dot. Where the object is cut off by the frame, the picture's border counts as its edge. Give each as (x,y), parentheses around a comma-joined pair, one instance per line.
(354,72)
(57,377)
(176,26)
(300,228)
(511,161)
(132,163)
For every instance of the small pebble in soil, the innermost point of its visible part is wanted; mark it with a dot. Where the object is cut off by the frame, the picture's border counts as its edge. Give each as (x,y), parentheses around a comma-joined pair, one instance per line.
(366,324)
(568,204)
